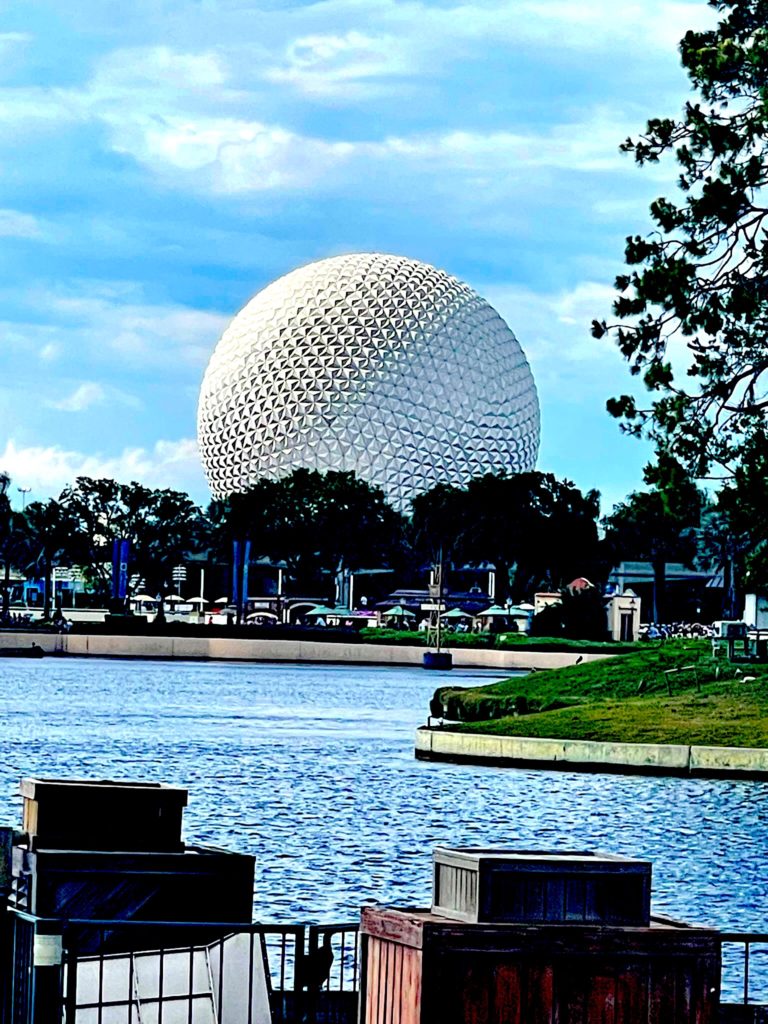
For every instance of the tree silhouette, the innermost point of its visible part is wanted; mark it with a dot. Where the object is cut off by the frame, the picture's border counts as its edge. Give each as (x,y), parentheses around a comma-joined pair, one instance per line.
(692,309)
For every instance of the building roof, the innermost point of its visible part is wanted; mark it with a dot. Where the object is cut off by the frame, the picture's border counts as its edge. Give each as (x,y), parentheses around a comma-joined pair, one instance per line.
(642,572)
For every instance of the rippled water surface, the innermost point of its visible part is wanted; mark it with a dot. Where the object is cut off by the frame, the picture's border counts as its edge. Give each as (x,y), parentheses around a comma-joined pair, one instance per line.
(311,768)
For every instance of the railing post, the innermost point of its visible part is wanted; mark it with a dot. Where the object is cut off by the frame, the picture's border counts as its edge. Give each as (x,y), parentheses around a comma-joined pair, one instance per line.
(746,973)
(47,972)
(70,993)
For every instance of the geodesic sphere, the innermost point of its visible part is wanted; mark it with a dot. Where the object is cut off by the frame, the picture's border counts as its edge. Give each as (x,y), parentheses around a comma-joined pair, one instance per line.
(378,364)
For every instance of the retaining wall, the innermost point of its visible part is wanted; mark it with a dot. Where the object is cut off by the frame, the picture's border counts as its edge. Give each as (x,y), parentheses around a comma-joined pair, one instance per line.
(222,648)
(587,755)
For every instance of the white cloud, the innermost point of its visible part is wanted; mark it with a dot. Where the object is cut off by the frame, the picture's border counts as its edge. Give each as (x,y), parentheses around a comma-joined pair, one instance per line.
(86,395)
(587,145)
(11,45)
(155,70)
(554,330)
(89,394)
(102,322)
(48,469)
(14,224)
(402,39)
(28,109)
(237,156)
(349,65)
(188,115)
(226,154)
(50,352)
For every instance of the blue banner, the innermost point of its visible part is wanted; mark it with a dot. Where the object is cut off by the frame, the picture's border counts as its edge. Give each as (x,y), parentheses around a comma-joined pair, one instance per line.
(122,569)
(246,559)
(236,573)
(120,553)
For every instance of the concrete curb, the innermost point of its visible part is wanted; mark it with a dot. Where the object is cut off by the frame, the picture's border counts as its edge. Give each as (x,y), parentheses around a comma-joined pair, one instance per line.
(591,756)
(224,649)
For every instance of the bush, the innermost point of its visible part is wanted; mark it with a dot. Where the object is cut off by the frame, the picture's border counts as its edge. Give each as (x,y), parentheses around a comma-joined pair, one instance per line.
(578,616)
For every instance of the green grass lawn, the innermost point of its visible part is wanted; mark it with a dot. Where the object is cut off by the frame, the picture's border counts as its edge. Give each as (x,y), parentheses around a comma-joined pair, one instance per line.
(626,699)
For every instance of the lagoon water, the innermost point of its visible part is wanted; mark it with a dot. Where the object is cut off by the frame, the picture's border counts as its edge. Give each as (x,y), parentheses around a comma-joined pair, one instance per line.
(311,768)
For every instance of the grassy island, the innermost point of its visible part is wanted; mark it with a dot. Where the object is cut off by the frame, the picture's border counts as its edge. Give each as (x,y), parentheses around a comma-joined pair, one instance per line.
(670,692)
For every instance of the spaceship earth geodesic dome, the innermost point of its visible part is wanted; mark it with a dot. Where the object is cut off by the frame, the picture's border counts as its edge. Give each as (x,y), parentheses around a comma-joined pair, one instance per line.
(378,364)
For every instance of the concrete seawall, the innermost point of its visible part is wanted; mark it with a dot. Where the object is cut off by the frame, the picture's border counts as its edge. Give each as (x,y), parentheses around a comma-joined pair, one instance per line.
(591,756)
(224,649)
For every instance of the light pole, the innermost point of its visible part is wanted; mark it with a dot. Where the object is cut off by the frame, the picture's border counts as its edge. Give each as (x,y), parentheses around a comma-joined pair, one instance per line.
(23,491)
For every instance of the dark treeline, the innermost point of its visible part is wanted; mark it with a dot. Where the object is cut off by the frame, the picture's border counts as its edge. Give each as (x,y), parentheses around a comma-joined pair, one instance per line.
(538,532)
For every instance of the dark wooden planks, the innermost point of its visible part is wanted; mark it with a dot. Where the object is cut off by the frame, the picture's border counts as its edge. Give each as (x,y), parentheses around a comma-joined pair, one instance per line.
(424,969)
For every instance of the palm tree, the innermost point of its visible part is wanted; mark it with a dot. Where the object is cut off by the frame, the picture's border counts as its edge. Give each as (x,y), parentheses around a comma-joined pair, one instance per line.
(53,536)
(13,542)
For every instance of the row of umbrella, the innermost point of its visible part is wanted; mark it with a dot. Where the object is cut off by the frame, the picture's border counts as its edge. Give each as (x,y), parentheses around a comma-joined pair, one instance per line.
(495,611)
(397,612)
(400,612)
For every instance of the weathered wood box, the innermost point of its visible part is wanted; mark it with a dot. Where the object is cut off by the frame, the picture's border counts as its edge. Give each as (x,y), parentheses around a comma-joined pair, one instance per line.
(476,884)
(113,851)
(419,968)
(78,814)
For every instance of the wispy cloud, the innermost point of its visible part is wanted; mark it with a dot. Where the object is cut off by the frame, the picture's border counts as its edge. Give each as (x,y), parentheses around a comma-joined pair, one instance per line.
(406,39)
(236,156)
(102,322)
(14,224)
(347,66)
(48,469)
(554,329)
(83,397)
(89,394)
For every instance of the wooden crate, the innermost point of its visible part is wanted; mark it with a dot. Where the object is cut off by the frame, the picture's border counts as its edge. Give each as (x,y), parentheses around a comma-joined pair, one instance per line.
(419,968)
(84,814)
(477,884)
(200,884)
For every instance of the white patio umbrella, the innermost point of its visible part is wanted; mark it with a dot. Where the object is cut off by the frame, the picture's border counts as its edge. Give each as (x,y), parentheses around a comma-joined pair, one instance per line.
(197,600)
(144,597)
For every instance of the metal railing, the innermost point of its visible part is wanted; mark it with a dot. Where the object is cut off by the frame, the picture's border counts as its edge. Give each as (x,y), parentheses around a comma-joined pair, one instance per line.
(125,972)
(744,967)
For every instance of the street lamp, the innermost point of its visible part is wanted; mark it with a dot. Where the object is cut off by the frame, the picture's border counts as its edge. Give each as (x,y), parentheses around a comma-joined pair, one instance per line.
(23,491)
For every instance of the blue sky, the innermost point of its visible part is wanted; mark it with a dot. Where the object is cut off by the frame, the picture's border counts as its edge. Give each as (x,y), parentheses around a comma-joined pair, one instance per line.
(161,161)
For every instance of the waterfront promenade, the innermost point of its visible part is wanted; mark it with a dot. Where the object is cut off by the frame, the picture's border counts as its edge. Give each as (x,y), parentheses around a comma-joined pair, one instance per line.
(224,649)
(681,759)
